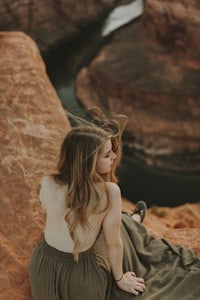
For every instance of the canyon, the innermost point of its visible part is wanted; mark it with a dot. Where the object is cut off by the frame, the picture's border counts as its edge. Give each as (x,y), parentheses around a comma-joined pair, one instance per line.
(32,126)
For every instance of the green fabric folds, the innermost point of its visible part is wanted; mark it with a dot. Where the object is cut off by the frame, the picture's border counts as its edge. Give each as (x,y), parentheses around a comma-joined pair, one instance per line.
(171,272)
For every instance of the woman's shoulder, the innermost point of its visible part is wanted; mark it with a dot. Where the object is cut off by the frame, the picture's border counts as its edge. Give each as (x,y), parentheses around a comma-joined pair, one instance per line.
(113,188)
(47,181)
(50,191)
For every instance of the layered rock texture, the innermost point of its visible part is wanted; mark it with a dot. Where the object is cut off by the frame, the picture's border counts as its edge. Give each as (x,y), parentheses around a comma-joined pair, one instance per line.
(174,23)
(32,125)
(49,22)
(150,71)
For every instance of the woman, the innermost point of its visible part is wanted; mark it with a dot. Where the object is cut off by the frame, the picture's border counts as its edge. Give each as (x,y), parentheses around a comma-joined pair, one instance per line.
(88,251)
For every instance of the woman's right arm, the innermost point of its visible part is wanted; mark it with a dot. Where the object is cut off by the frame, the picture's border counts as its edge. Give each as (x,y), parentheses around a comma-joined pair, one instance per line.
(112,233)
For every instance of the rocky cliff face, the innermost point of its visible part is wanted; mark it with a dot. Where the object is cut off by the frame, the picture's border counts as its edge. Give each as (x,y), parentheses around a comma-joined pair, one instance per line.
(150,71)
(49,22)
(174,23)
(32,125)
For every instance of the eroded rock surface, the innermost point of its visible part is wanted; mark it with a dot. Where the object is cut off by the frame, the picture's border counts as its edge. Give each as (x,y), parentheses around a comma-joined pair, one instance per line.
(155,83)
(175,24)
(49,22)
(32,124)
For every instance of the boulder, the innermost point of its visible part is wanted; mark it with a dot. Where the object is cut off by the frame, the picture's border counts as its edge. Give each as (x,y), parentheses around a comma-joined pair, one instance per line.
(155,82)
(176,24)
(50,22)
(32,125)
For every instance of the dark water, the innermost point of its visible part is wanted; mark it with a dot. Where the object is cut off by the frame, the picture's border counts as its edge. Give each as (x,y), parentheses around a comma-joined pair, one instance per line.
(137,181)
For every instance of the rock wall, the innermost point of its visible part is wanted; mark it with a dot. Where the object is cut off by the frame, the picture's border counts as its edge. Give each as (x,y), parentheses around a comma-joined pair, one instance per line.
(50,21)
(150,71)
(32,125)
(176,24)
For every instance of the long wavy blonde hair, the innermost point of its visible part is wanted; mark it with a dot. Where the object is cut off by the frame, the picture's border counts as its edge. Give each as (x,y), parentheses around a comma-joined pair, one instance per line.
(77,168)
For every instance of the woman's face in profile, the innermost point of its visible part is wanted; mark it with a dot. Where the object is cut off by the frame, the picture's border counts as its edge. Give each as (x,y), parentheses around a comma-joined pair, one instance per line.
(105,159)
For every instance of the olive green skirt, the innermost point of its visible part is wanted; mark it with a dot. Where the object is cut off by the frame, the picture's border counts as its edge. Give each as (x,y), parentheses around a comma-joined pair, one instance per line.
(170,272)
(54,275)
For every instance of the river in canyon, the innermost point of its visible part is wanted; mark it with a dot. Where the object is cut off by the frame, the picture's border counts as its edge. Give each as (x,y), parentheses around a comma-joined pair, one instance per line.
(137,181)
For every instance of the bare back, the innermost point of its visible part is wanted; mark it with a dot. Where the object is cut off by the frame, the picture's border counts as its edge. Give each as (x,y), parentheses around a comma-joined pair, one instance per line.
(52,197)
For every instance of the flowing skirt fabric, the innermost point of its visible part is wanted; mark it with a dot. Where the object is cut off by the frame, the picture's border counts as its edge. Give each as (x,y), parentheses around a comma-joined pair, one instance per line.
(170,272)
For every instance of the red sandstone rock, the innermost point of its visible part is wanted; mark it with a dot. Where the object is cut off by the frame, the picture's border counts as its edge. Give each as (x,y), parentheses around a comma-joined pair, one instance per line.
(174,23)
(32,125)
(49,22)
(156,84)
